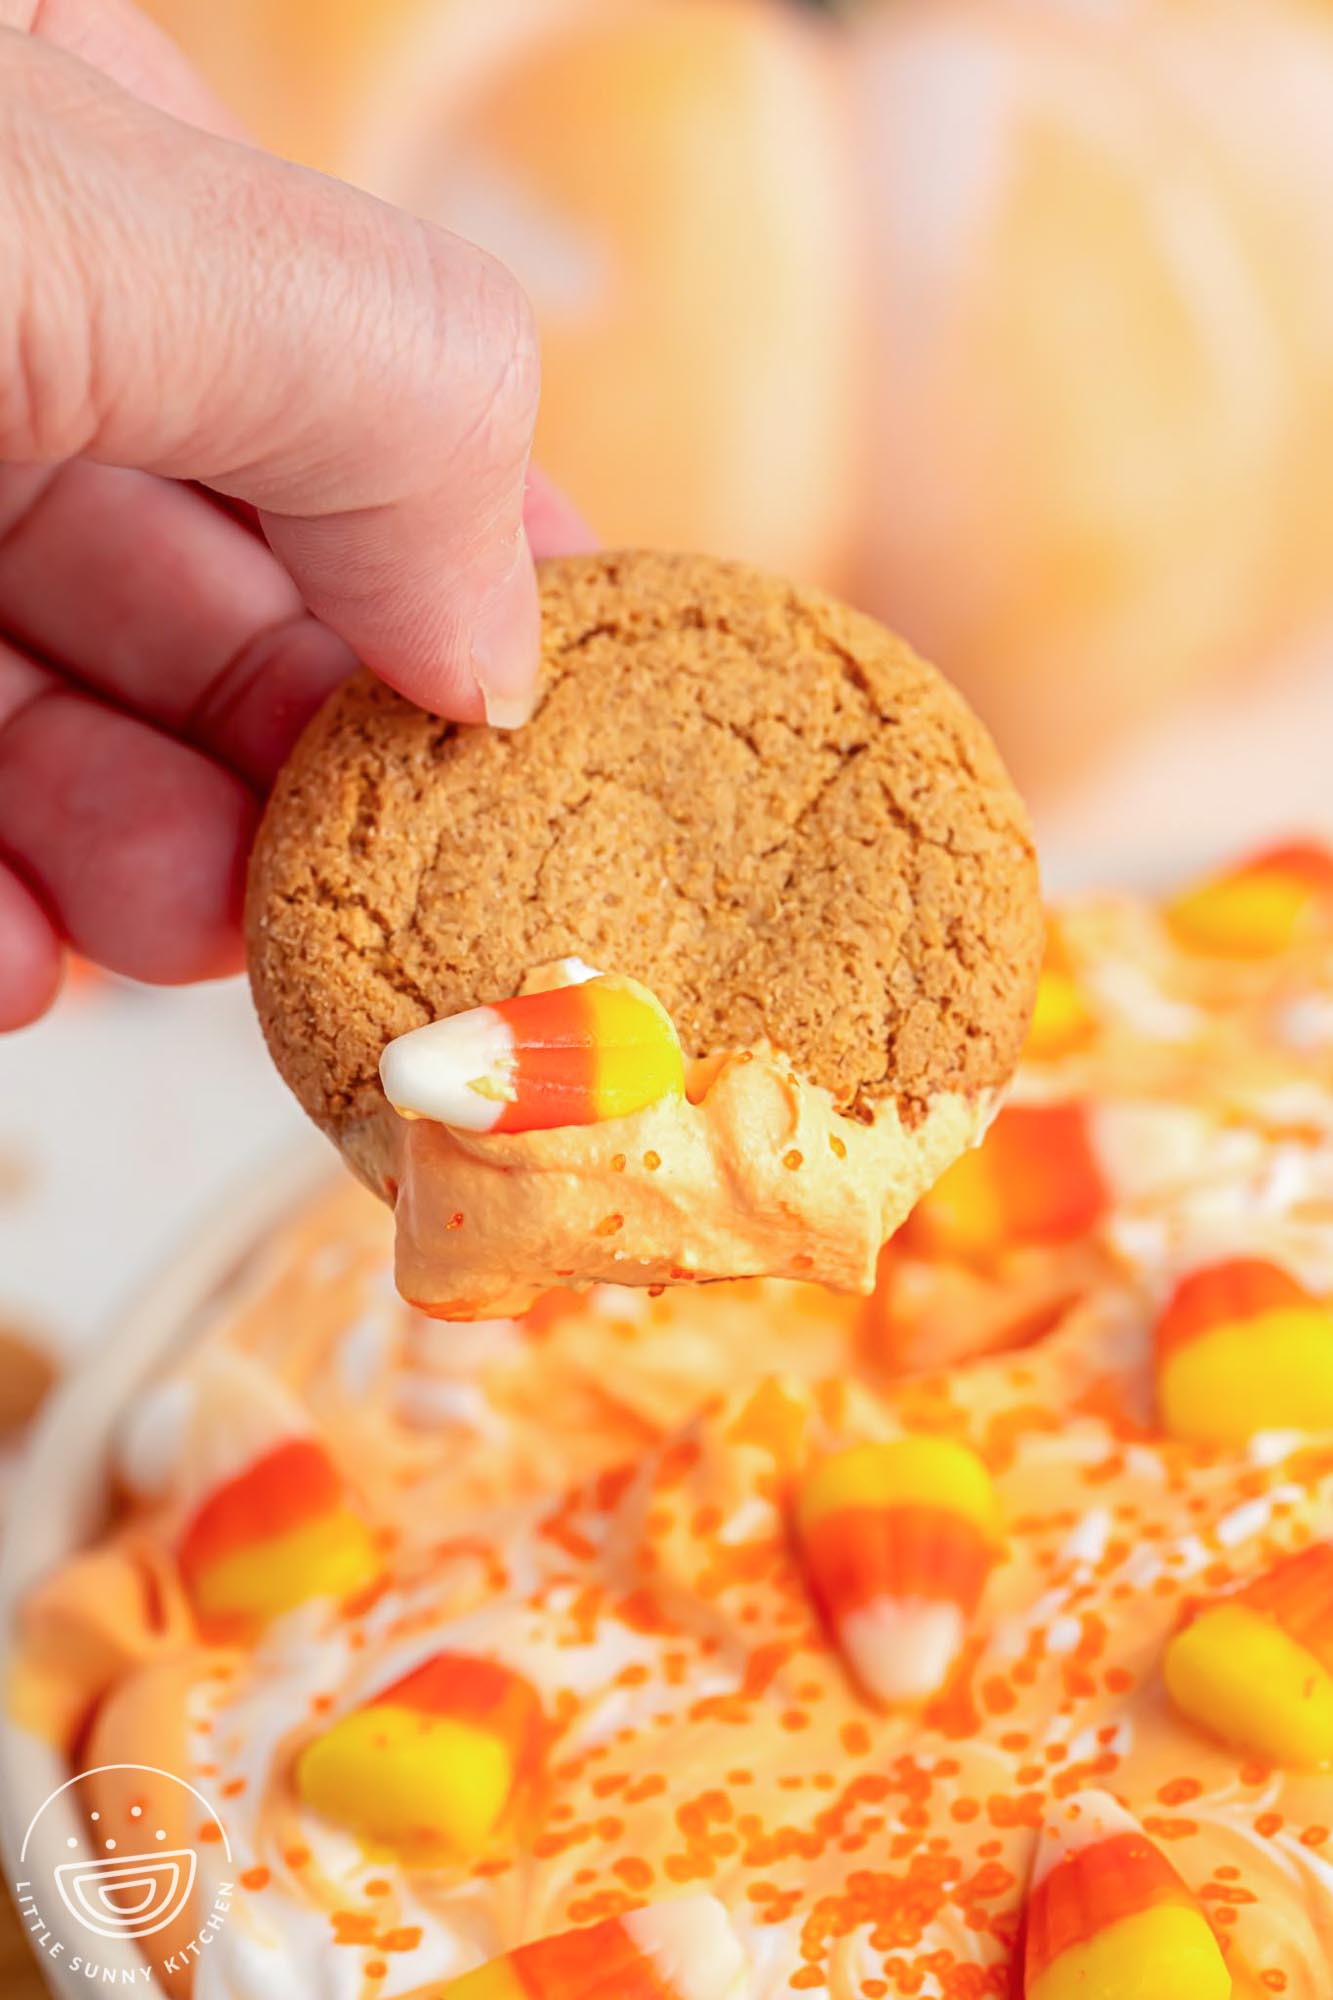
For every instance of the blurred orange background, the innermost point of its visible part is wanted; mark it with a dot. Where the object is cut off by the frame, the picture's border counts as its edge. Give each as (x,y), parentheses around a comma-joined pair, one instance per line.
(1011,319)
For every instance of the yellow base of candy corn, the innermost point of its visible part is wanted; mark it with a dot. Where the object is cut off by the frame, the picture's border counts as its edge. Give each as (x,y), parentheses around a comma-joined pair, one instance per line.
(962,1212)
(496,1981)
(1167,1953)
(903,1472)
(1060,1020)
(1274,1372)
(1238,1674)
(1242,916)
(639,1059)
(403,1779)
(332,1556)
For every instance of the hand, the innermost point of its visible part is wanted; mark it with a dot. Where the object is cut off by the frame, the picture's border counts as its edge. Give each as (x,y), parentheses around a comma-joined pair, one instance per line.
(353,392)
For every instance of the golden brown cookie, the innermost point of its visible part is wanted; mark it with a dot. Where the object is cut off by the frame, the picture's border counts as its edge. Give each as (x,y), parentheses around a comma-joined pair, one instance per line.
(752,799)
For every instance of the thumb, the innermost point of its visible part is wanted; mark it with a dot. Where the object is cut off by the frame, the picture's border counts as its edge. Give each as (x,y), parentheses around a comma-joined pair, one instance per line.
(182,304)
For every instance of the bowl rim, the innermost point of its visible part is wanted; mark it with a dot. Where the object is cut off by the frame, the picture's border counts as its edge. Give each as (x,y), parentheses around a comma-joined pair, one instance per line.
(60,1498)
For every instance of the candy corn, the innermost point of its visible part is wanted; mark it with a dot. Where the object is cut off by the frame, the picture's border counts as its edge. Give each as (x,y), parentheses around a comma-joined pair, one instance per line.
(1242,1347)
(1256,1668)
(1108,1917)
(1034,1179)
(899,1539)
(683,1950)
(432,1761)
(1061,1020)
(572,1056)
(1259,909)
(279,1533)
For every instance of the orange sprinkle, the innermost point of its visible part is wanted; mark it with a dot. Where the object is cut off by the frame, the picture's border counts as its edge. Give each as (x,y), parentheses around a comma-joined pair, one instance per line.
(255,1879)
(793,1160)
(609,1224)
(998,1696)
(406,1938)
(455,1220)
(1170,1829)
(652,1161)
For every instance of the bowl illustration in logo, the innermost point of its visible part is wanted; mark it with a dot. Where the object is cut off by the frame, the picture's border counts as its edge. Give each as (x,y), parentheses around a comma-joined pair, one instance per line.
(131,1895)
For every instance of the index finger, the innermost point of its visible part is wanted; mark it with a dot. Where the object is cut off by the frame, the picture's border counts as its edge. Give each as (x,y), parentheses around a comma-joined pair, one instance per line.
(194,308)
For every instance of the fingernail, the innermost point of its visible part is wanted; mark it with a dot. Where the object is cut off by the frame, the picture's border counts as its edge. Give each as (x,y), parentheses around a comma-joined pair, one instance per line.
(505,642)
(506,711)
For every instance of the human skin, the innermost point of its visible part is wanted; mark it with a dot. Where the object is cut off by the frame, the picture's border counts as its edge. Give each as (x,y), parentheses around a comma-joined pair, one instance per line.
(254,426)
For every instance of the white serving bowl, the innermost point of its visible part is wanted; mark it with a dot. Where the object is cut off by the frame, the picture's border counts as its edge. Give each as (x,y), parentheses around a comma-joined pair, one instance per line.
(61,1499)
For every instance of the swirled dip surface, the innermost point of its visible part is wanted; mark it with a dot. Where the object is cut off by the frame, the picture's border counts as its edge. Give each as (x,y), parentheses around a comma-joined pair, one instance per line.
(599,1526)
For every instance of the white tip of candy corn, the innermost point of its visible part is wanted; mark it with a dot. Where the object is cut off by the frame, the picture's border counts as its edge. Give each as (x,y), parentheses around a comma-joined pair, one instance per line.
(457,1071)
(694,1951)
(902,1652)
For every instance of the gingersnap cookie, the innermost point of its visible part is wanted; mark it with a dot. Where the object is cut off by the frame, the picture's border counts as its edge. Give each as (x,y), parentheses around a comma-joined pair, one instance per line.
(765,824)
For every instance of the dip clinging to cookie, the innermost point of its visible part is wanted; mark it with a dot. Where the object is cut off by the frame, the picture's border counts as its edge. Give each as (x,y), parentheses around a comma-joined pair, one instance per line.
(738,803)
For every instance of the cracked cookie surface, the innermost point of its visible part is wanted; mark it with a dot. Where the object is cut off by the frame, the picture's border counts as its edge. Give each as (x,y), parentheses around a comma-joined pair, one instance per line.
(749,797)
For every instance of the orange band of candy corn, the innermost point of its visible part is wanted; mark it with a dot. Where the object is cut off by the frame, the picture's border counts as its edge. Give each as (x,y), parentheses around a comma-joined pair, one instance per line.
(277,1534)
(683,1950)
(1237,1288)
(476,1690)
(1298,1593)
(1033,1179)
(921,1552)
